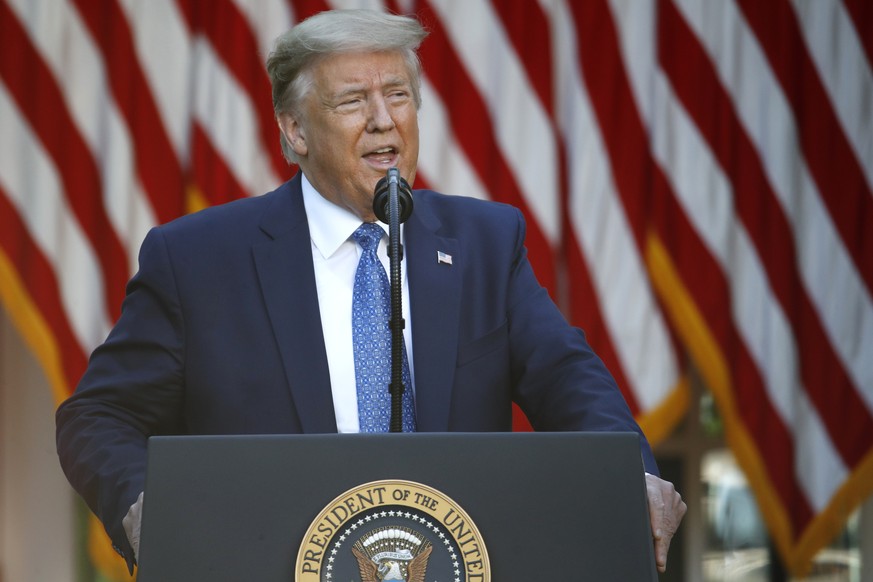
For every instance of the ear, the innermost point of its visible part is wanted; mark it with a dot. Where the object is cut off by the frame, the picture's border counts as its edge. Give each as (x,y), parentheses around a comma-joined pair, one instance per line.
(291,128)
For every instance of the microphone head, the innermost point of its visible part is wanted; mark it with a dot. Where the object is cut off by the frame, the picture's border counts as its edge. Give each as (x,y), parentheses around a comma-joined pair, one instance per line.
(382,199)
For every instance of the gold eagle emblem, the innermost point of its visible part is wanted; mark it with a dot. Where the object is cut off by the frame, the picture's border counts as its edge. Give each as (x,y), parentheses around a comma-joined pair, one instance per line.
(392,554)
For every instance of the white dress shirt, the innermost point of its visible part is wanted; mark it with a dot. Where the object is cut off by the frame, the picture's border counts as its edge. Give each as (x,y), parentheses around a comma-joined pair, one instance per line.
(335,256)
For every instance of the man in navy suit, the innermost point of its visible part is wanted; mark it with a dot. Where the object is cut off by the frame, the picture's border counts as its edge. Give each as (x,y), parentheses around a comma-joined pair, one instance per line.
(239,319)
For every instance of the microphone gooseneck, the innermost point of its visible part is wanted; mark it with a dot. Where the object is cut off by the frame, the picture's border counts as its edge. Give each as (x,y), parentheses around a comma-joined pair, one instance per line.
(392,204)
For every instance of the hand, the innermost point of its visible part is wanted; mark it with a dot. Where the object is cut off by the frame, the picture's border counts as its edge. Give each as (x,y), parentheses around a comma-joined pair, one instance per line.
(666,510)
(132,523)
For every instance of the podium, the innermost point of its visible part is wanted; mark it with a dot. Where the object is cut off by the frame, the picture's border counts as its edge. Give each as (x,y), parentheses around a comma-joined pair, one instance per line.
(535,506)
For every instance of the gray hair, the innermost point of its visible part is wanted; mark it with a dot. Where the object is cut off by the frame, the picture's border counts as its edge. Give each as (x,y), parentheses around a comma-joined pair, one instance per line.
(296,51)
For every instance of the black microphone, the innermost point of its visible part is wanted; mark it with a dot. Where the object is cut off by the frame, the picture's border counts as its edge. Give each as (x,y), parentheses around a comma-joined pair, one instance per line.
(392,204)
(382,198)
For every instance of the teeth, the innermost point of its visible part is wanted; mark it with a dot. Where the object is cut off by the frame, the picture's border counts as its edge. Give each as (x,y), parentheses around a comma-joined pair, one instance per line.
(384,151)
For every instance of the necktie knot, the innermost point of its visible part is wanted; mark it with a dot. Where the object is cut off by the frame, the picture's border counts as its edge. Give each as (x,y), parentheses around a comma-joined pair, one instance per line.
(368,235)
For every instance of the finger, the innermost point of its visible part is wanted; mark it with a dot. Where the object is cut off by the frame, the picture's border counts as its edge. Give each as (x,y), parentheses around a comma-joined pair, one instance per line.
(662,547)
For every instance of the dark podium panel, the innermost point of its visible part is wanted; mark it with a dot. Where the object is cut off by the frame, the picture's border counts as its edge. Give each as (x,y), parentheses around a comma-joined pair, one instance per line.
(549,506)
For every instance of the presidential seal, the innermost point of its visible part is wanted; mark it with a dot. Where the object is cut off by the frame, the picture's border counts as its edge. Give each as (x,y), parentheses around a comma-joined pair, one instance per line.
(392,531)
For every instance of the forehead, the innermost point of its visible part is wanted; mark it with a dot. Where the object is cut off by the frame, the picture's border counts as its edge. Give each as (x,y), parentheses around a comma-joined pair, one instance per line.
(341,70)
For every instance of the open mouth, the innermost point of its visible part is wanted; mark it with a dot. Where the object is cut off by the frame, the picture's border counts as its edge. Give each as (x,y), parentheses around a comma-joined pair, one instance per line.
(386,156)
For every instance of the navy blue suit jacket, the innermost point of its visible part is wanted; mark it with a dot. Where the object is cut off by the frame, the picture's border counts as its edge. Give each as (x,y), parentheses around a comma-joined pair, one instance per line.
(220,333)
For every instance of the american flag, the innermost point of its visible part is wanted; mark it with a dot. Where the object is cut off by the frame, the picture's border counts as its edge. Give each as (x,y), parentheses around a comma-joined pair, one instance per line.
(697,176)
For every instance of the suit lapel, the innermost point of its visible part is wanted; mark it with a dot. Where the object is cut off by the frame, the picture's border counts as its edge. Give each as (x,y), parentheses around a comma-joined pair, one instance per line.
(287,278)
(435,289)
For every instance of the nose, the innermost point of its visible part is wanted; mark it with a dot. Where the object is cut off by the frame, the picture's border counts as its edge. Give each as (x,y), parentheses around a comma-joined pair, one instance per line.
(380,118)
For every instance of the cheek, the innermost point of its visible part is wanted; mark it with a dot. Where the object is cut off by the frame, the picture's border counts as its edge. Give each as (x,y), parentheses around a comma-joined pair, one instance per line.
(410,138)
(409,128)
(343,145)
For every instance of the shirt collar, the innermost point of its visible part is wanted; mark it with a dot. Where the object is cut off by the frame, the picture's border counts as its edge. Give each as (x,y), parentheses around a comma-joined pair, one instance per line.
(329,225)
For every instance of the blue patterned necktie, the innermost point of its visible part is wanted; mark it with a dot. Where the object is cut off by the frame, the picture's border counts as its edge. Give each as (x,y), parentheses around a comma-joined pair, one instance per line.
(371,334)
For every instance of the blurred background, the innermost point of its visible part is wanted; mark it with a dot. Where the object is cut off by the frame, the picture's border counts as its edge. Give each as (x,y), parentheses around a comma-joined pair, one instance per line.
(697,177)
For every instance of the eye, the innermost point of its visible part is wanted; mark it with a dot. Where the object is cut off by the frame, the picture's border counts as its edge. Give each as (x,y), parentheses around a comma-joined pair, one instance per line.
(349,104)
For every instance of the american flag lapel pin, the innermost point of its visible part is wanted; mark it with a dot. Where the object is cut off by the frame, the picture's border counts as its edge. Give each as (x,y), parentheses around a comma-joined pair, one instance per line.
(443,258)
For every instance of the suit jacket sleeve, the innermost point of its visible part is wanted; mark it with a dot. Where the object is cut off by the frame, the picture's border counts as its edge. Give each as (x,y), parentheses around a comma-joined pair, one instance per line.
(194,350)
(131,390)
(559,382)
(514,343)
